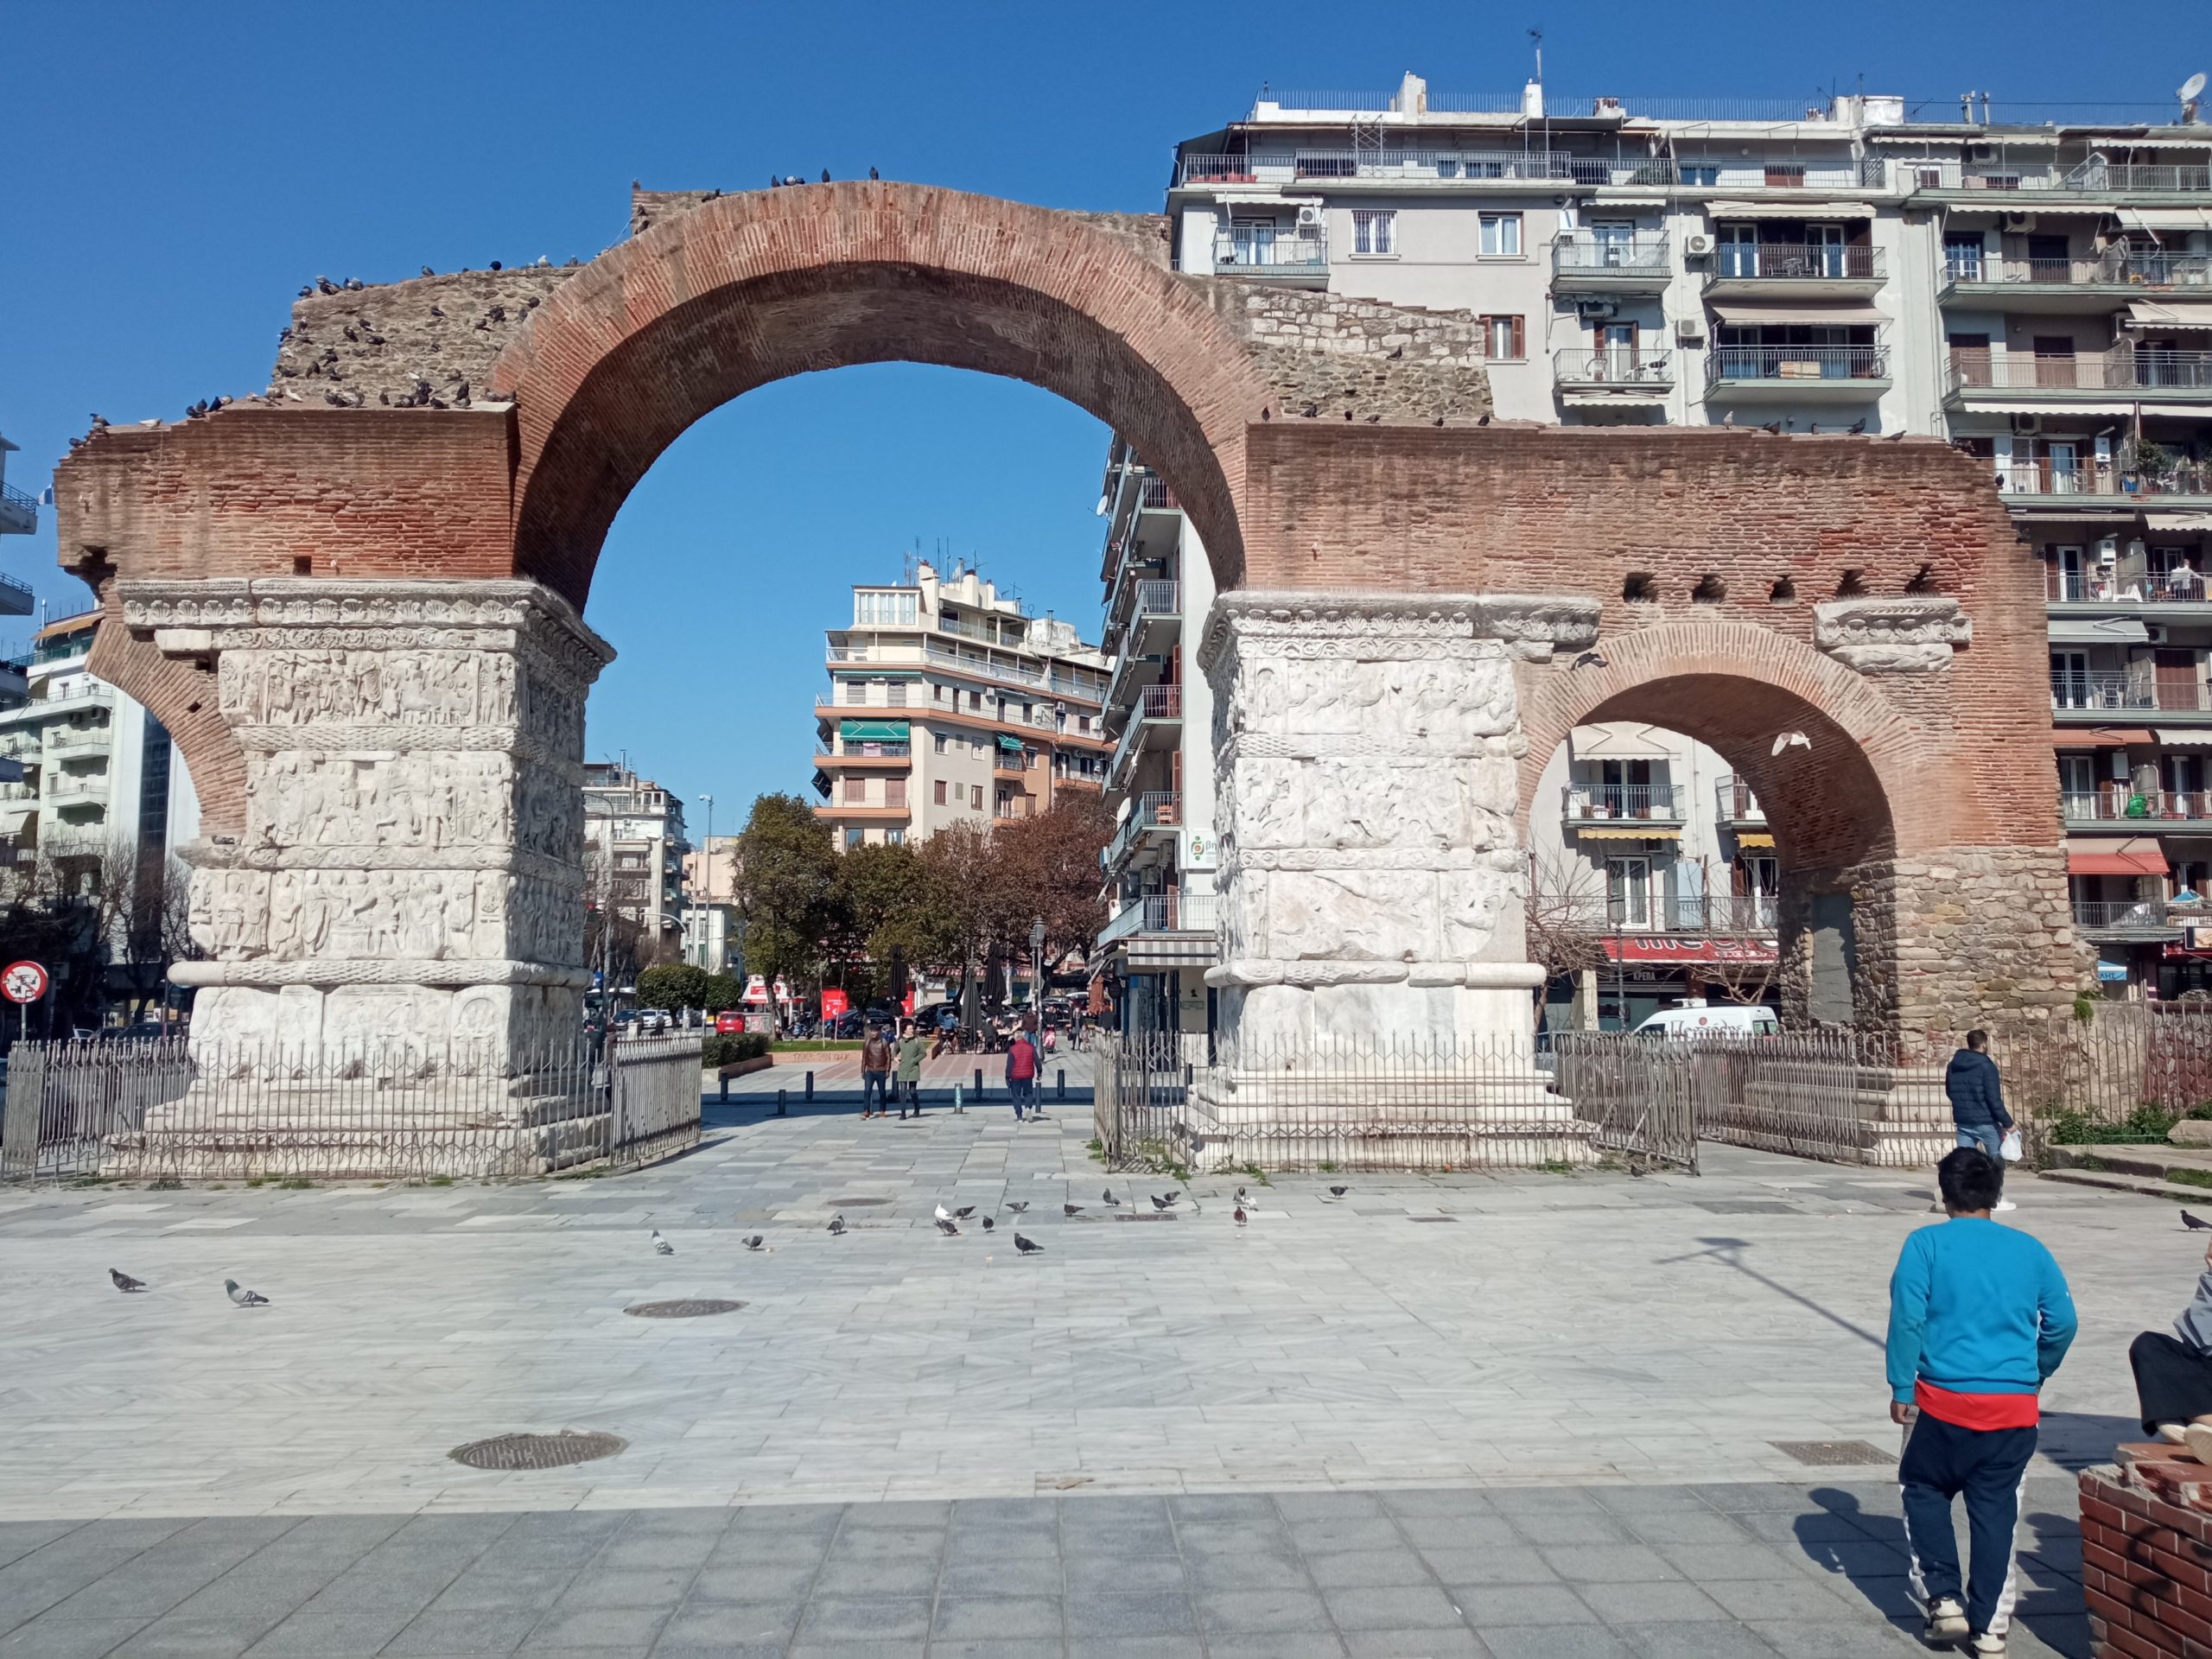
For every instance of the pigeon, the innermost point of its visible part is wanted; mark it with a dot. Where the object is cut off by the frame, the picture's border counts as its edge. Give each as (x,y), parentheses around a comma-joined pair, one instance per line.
(753,1241)
(943,1214)
(872,174)
(243,1298)
(1112,1202)
(661,1246)
(426,271)
(1791,740)
(963,1214)
(948,1227)
(1591,660)
(1161,1203)
(825,175)
(2196,1224)
(1019,1206)
(124,1282)
(1028,1246)
(837,1226)
(1240,1215)
(1073,1209)
(989,1226)
(1338,1192)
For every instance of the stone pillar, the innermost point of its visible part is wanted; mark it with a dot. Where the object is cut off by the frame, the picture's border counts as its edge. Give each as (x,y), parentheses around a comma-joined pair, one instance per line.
(411,871)
(1372,885)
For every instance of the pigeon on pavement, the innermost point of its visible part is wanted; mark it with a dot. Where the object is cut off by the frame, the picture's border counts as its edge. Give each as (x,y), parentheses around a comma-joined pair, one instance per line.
(124,1282)
(1338,1192)
(962,1213)
(1108,1196)
(949,1227)
(989,1226)
(1240,1195)
(1073,1209)
(837,1225)
(943,1214)
(661,1246)
(1161,1203)
(2196,1224)
(1019,1206)
(1240,1215)
(243,1297)
(1028,1246)
(753,1241)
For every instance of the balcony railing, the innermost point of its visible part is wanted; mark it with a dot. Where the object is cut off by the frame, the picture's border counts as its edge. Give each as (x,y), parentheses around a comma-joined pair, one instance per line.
(1160,598)
(2085,178)
(2122,368)
(861,751)
(1725,364)
(1743,913)
(1583,253)
(2085,476)
(2117,267)
(1616,366)
(1154,493)
(1299,253)
(1156,809)
(2183,585)
(1796,261)
(1661,802)
(1163,912)
(75,785)
(2132,806)
(1159,702)
(2122,916)
(1736,803)
(2136,687)
(1479,167)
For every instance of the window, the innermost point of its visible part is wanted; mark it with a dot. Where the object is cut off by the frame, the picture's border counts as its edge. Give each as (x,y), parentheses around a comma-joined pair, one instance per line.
(975,700)
(943,744)
(1500,236)
(897,694)
(894,791)
(895,836)
(1963,254)
(855,791)
(942,693)
(1373,232)
(886,608)
(940,791)
(976,796)
(1504,339)
(854,837)
(1697,174)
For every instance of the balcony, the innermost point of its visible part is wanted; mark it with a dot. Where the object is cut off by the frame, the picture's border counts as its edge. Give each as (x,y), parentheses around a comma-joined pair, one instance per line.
(1586,262)
(2100,691)
(867,757)
(2094,284)
(1799,269)
(65,787)
(2135,812)
(1660,803)
(1155,722)
(1797,373)
(2124,918)
(65,740)
(2091,377)
(2081,481)
(1157,815)
(1456,170)
(18,517)
(1722,914)
(2015,187)
(1736,806)
(1163,912)
(1297,259)
(1614,374)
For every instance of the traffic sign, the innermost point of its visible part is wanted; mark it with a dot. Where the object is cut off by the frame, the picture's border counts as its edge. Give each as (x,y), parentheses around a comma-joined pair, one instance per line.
(22,981)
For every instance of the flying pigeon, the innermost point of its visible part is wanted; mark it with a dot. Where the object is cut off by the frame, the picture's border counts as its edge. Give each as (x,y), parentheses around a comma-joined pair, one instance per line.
(2196,1224)
(1019,1206)
(1791,740)
(243,1298)
(661,1246)
(1028,1246)
(989,1226)
(1338,1192)
(1073,1209)
(753,1241)
(963,1214)
(837,1225)
(124,1282)
(950,1228)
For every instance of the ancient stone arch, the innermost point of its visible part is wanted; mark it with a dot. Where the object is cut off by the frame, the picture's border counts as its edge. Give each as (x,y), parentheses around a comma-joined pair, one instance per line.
(354,601)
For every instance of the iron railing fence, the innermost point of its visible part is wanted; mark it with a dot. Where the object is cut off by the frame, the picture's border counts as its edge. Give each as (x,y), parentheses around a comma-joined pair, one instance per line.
(1797,262)
(1615,365)
(1581,252)
(2123,916)
(164,1109)
(1289,253)
(2146,806)
(2122,1073)
(2121,368)
(1662,801)
(1727,362)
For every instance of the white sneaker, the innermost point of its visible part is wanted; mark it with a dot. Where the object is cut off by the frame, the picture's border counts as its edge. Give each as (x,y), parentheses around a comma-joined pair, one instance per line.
(1946,1621)
(1987,1646)
(2002,1206)
(2197,1437)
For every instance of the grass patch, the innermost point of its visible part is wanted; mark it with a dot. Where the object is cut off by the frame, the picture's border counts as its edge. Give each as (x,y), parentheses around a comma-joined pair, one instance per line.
(815,1045)
(1328,1166)
(1253,1172)
(2190,1177)
(1555,1166)
(2144,1126)
(591,1174)
(441,1180)
(257,1180)
(2093,1164)
(1157,1157)
(295,1183)
(166,1184)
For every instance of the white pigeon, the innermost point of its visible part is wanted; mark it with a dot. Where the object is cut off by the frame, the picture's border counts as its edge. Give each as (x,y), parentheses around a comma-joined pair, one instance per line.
(943,1214)
(1792,741)
(661,1246)
(242,1296)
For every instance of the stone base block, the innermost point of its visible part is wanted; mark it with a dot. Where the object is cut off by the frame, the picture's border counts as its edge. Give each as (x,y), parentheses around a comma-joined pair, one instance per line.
(509,1028)
(1895,1119)
(1321,1008)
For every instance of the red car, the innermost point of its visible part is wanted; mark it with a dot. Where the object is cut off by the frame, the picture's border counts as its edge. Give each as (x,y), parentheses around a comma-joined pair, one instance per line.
(728,1023)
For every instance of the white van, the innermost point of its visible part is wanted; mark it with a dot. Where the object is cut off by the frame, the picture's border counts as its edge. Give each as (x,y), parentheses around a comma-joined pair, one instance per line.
(1696,1018)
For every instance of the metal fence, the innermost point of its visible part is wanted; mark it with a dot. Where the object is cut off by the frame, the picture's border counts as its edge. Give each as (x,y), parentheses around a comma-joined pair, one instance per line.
(163,1110)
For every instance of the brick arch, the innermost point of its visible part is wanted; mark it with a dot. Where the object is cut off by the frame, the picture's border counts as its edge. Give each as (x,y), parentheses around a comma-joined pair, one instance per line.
(748,288)
(1865,789)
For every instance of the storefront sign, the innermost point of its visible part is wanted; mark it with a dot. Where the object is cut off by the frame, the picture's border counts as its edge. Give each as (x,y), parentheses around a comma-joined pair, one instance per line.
(1665,947)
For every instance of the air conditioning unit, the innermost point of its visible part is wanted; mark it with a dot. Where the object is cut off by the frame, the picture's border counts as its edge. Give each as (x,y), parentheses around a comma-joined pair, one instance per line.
(1599,308)
(2019,222)
(1697,245)
(1309,216)
(2155,633)
(2027,425)
(1689,331)
(2107,550)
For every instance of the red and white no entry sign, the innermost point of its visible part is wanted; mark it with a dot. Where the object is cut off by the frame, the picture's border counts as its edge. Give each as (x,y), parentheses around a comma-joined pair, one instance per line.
(22,981)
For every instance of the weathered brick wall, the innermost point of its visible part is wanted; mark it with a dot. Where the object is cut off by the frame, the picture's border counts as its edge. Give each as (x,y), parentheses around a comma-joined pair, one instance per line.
(2146,1572)
(429,339)
(1331,357)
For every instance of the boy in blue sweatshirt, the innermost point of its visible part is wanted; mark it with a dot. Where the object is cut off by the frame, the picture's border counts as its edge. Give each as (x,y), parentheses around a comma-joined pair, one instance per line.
(1980,1316)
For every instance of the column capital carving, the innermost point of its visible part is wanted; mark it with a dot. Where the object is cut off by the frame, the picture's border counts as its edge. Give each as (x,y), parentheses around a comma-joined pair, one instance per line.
(1374,623)
(1903,634)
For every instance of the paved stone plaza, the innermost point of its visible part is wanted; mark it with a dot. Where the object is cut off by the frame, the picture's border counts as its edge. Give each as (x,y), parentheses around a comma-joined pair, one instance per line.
(1552,1402)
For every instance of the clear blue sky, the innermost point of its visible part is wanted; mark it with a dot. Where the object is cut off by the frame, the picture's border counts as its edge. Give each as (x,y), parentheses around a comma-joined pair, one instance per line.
(174,172)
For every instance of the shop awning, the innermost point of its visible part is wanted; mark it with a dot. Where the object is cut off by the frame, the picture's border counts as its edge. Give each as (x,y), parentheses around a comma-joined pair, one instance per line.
(2155,219)
(2185,737)
(2098,631)
(2160,520)
(2117,410)
(2137,856)
(1628,832)
(873,731)
(2066,737)
(2171,314)
(1754,838)
(1843,313)
(1819,212)
(1667,947)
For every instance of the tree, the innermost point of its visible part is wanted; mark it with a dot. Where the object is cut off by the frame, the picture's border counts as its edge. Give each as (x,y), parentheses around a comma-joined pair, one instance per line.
(1048,867)
(673,985)
(143,907)
(724,993)
(968,901)
(1567,918)
(787,888)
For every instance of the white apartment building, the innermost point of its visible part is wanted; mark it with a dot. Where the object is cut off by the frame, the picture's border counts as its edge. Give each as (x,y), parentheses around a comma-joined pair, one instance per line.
(634,847)
(948,703)
(1159,941)
(713,931)
(2038,290)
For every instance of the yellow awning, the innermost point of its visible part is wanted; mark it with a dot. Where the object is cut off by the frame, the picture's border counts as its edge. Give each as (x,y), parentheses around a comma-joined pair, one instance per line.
(1754,838)
(1624,832)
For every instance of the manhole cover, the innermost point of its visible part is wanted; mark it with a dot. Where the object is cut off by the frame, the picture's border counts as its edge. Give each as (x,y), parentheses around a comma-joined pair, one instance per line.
(538,1451)
(697,1307)
(1431,1220)
(856,1204)
(1151,1218)
(1746,1207)
(1832,1454)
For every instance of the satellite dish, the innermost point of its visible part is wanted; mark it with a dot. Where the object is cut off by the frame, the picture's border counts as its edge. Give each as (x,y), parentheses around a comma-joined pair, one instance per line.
(2192,87)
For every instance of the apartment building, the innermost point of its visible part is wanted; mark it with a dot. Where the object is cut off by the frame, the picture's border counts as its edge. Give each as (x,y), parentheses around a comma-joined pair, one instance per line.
(948,704)
(2035,286)
(18,517)
(98,772)
(1159,867)
(714,931)
(634,847)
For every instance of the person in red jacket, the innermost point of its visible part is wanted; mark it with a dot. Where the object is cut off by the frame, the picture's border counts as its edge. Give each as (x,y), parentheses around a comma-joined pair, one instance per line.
(1022,1063)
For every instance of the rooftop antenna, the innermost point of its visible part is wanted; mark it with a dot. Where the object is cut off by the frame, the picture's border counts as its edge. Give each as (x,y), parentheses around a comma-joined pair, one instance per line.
(2190,89)
(1537,36)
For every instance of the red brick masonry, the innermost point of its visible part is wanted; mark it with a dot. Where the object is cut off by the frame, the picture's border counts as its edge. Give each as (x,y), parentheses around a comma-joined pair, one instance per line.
(2147,1566)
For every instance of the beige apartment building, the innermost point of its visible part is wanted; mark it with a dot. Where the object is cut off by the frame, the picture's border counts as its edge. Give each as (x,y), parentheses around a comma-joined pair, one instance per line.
(947,704)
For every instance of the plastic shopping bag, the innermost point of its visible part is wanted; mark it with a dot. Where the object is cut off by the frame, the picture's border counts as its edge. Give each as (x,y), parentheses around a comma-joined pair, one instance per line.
(2009,1148)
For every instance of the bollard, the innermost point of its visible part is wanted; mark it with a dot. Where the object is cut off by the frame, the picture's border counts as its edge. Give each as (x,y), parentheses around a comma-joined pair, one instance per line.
(979,1086)
(809,1086)
(958,1110)
(781,1094)
(1062,1088)
(725,1091)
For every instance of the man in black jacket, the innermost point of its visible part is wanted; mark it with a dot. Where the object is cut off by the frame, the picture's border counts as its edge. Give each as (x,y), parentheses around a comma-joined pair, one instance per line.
(1977,1098)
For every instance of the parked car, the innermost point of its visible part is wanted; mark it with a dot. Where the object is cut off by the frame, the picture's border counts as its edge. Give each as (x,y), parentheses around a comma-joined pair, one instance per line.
(728,1023)
(1699,1019)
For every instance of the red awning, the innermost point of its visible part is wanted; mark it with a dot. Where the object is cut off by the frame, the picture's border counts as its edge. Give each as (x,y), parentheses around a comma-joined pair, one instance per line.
(2142,863)
(2097,738)
(1667,947)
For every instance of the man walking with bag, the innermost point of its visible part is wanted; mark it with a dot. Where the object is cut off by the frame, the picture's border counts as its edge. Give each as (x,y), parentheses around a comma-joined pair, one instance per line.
(1977,1097)
(1980,1318)
(1021,1072)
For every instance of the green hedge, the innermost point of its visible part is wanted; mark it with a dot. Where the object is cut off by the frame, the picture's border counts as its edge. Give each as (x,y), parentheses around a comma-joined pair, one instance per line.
(721,1051)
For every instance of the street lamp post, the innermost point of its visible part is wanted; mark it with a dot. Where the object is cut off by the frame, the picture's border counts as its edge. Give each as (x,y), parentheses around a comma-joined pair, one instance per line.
(706,868)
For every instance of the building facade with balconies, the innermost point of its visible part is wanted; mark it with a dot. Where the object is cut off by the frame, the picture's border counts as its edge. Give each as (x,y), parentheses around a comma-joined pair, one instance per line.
(634,850)
(948,704)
